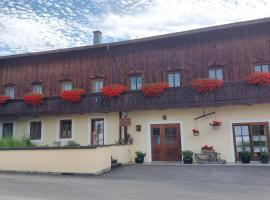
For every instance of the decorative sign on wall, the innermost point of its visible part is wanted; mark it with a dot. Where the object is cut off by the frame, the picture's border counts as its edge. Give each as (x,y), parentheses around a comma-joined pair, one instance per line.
(125,122)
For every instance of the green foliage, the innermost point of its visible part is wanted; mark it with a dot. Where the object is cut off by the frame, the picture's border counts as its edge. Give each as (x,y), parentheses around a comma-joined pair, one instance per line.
(187,154)
(264,155)
(245,154)
(10,142)
(140,154)
(72,144)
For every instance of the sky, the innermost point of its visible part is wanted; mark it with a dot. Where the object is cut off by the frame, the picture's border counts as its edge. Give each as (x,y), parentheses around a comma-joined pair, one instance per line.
(40,25)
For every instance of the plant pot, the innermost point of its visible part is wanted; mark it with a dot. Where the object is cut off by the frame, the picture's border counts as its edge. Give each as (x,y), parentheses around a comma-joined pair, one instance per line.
(188,160)
(265,159)
(196,133)
(216,127)
(139,159)
(245,159)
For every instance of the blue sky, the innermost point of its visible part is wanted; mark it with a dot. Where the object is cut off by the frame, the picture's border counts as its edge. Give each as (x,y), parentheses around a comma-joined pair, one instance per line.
(39,25)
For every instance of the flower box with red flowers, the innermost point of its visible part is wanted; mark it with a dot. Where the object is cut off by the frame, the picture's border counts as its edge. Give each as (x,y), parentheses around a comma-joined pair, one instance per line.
(196,132)
(113,90)
(34,99)
(72,96)
(206,85)
(215,124)
(262,78)
(4,99)
(207,149)
(154,89)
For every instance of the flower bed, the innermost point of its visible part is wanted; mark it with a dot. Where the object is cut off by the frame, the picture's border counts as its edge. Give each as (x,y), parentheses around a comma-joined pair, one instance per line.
(154,89)
(262,78)
(206,85)
(113,90)
(4,99)
(72,96)
(34,99)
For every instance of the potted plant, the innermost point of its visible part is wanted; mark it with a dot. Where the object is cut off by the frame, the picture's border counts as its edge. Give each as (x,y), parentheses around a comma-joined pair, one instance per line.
(206,85)
(113,90)
(187,157)
(245,157)
(4,99)
(140,157)
(33,98)
(259,78)
(72,96)
(215,124)
(264,157)
(196,132)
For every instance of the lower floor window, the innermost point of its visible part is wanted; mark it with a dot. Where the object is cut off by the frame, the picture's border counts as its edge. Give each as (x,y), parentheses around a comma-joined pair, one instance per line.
(97,132)
(35,131)
(252,137)
(65,129)
(7,130)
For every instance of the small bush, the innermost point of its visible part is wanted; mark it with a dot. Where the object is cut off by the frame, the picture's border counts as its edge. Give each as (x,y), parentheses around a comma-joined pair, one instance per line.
(72,144)
(187,154)
(140,154)
(11,142)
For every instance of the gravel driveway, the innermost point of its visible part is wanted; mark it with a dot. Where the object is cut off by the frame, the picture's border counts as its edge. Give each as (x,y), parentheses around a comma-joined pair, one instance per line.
(144,182)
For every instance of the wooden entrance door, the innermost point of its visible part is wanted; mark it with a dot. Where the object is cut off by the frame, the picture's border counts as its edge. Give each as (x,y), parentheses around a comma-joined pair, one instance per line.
(166,145)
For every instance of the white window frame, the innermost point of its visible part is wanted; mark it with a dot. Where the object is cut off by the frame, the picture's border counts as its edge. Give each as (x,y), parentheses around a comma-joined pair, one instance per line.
(101,84)
(72,129)
(174,82)
(42,130)
(38,88)
(66,85)
(10,91)
(14,128)
(138,87)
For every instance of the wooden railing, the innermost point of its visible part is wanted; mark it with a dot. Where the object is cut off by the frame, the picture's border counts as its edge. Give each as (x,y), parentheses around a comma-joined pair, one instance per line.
(238,92)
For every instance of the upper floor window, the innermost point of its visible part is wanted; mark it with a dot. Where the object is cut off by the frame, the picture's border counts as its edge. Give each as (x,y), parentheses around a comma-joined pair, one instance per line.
(37,88)
(216,74)
(97,84)
(10,92)
(65,129)
(66,85)
(174,79)
(261,68)
(135,82)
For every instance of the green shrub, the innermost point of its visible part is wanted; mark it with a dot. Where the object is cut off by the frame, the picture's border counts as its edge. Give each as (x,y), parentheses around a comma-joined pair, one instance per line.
(140,154)
(11,142)
(187,154)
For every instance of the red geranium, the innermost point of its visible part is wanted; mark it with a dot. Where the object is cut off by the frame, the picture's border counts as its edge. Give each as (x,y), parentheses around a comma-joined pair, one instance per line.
(261,78)
(206,147)
(154,89)
(34,99)
(72,96)
(215,123)
(195,130)
(4,99)
(206,85)
(113,90)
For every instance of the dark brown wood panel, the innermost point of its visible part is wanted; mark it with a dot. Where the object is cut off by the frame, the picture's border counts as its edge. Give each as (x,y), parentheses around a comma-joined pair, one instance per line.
(236,49)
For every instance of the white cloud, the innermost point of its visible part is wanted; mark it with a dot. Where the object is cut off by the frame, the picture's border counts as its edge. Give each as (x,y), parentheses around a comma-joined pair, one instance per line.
(52,24)
(166,16)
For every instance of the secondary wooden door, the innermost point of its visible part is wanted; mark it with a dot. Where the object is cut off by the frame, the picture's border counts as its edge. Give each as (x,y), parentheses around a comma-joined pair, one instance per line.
(251,137)
(166,144)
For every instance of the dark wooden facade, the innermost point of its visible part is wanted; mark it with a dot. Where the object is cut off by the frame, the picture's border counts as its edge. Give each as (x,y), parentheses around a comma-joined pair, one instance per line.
(235,48)
(232,93)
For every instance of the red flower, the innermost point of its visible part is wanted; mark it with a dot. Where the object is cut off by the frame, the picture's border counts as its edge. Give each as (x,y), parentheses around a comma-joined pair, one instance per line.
(113,90)
(195,130)
(206,85)
(206,147)
(154,89)
(261,78)
(4,99)
(215,123)
(72,96)
(34,99)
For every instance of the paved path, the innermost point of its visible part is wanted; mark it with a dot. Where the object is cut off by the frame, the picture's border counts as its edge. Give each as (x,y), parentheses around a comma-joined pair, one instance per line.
(144,182)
